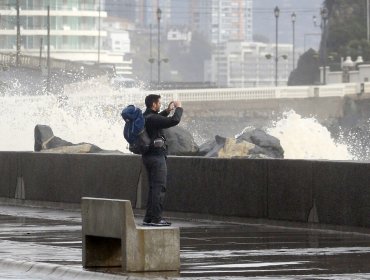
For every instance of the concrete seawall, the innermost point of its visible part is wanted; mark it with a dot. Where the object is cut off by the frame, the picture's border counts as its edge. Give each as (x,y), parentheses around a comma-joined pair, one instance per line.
(292,190)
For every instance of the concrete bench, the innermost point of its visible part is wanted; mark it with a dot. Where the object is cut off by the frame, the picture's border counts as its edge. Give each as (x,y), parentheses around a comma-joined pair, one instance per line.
(110,238)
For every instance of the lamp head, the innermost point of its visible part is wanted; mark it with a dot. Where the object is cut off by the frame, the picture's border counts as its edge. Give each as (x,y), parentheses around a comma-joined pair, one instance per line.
(324,13)
(294,17)
(277,11)
(159,13)
(314,20)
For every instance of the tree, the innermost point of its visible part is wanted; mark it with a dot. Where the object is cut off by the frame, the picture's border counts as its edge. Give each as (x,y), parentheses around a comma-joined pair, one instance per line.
(347,28)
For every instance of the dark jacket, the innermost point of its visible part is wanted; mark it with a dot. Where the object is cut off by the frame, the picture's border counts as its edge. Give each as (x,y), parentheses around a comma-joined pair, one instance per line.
(155,123)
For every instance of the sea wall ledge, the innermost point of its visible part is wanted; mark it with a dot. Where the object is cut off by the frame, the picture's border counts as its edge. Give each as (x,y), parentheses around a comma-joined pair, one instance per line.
(327,192)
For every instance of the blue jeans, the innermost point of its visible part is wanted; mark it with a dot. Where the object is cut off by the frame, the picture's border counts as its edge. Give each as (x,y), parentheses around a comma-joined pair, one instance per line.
(156,167)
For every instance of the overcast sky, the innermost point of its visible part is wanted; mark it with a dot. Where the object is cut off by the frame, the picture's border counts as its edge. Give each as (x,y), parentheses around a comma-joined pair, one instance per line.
(264,20)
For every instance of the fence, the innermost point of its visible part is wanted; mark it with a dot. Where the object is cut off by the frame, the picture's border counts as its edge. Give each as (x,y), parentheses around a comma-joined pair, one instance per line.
(33,62)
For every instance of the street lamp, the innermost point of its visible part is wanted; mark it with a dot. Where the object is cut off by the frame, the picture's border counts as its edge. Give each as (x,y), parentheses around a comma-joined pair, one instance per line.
(276,13)
(159,16)
(368,19)
(270,56)
(324,18)
(294,17)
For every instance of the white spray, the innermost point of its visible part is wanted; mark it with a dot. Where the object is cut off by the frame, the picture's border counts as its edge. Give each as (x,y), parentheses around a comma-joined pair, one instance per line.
(305,138)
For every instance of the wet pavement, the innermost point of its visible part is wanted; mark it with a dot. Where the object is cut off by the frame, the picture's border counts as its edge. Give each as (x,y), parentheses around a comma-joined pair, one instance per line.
(209,249)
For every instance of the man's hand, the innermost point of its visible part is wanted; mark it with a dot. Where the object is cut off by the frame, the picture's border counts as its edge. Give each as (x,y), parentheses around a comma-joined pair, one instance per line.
(177,104)
(171,107)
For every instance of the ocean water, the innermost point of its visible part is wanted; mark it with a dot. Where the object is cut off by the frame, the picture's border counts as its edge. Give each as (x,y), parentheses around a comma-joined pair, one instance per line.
(90,112)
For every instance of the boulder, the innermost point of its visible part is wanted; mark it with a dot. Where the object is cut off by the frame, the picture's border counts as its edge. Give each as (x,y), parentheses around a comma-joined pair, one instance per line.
(180,142)
(250,144)
(46,141)
(233,149)
(214,146)
(265,143)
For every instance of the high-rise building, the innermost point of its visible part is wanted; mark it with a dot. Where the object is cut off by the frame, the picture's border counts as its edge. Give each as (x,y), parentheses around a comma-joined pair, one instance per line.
(74,30)
(223,20)
(140,12)
(249,64)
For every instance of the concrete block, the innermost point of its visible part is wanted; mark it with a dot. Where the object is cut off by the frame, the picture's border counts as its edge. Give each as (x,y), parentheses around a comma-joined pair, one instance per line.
(111,238)
(342,193)
(68,177)
(289,190)
(9,174)
(229,187)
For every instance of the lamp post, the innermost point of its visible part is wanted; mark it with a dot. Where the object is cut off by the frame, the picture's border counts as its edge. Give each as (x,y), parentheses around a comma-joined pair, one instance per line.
(151,59)
(324,18)
(294,17)
(368,19)
(99,32)
(270,56)
(159,16)
(277,13)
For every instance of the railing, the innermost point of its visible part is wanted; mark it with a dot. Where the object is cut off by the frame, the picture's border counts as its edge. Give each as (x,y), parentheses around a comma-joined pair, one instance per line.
(336,90)
(34,62)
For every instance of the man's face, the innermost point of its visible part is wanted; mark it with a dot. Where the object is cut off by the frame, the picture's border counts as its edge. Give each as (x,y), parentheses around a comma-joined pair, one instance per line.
(157,106)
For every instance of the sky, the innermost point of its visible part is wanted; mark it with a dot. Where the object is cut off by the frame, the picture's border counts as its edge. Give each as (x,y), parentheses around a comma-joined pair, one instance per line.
(264,21)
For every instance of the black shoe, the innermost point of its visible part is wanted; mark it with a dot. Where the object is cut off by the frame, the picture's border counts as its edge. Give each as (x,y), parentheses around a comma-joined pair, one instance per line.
(160,223)
(147,221)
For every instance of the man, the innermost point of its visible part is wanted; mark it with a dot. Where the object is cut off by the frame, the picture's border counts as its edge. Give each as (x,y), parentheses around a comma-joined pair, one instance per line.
(155,159)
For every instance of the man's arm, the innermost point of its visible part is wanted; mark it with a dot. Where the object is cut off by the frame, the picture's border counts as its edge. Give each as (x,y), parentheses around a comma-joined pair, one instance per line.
(166,112)
(160,121)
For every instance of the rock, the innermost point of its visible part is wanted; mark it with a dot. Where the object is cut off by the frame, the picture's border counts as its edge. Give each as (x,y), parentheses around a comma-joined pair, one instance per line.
(73,149)
(46,141)
(206,147)
(233,149)
(251,144)
(180,142)
(265,143)
(215,146)
(219,142)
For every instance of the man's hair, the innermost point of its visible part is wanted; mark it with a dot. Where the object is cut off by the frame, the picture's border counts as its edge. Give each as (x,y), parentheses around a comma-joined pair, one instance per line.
(150,99)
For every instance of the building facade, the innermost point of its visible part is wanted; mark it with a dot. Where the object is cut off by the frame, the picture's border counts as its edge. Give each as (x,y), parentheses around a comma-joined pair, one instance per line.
(141,12)
(75,30)
(223,20)
(248,64)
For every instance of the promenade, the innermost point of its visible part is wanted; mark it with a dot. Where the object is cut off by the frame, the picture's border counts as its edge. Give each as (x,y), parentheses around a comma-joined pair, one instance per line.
(44,243)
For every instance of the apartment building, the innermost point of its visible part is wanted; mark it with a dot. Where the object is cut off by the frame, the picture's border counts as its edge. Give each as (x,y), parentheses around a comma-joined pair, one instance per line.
(249,64)
(75,30)
(223,20)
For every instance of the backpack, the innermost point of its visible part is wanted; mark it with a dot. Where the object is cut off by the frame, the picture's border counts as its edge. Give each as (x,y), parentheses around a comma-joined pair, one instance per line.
(134,130)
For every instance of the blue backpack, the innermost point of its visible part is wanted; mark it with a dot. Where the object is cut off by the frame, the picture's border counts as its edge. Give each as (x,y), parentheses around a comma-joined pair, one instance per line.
(134,130)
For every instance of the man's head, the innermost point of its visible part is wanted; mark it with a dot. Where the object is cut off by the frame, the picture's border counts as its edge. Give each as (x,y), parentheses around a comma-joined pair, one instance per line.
(153,101)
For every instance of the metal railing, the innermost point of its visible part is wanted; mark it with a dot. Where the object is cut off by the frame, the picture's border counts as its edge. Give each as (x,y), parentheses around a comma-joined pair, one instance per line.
(336,90)
(37,63)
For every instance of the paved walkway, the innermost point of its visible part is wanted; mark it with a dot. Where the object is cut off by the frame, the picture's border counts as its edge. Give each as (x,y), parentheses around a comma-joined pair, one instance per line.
(39,243)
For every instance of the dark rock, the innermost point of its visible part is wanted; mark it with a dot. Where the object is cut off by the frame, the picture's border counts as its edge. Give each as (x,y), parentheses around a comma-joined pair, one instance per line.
(46,141)
(180,142)
(206,147)
(265,143)
(251,144)
(219,143)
